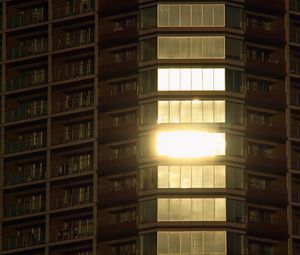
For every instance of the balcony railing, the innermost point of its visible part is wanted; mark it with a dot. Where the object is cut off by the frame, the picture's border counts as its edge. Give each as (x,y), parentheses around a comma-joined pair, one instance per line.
(26,144)
(26,176)
(73,136)
(18,209)
(81,166)
(23,240)
(73,199)
(77,39)
(74,8)
(295,67)
(24,51)
(73,103)
(79,71)
(27,19)
(28,80)
(72,233)
(26,112)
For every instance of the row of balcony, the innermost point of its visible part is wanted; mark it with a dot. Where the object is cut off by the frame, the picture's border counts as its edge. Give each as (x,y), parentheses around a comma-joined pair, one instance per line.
(37,237)
(40,14)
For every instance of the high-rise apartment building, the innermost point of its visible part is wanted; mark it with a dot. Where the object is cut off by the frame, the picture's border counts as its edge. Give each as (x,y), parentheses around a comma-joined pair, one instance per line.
(150,127)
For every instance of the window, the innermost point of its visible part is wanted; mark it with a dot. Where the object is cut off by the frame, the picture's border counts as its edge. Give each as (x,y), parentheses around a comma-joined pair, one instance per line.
(148,113)
(194,47)
(191,242)
(234,178)
(234,49)
(191,111)
(235,210)
(235,145)
(148,49)
(191,15)
(234,113)
(148,81)
(234,17)
(235,243)
(148,18)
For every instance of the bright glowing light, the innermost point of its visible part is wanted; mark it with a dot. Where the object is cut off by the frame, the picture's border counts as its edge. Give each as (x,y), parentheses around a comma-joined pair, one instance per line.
(189,144)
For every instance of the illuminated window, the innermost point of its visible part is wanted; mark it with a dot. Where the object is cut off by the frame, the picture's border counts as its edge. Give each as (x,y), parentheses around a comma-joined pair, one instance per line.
(186,79)
(192,47)
(189,144)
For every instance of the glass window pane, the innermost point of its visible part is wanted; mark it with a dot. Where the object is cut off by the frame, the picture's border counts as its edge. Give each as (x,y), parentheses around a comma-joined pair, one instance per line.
(186,111)
(173,47)
(186,177)
(208,15)
(219,111)
(208,176)
(185,16)
(219,79)
(185,242)
(220,177)
(197,47)
(197,209)
(163,79)
(197,111)
(185,48)
(196,79)
(220,209)
(163,177)
(174,242)
(163,15)
(209,242)
(163,209)
(174,209)
(208,209)
(197,15)
(174,79)
(197,242)
(197,176)
(174,111)
(163,112)
(174,16)
(163,242)
(174,177)
(185,209)
(219,47)
(186,79)
(208,79)
(219,15)
(219,242)
(208,111)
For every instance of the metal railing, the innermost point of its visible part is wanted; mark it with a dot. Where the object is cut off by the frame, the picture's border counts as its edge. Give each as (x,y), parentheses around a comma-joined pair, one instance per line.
(262,121)
(70,9)
(75,135)
(24,208)
(23,240)
(27,111)
(73,199)
(80,166)
(78,71)
(27,80)
(26,144)
(26,19)
(77,39)
(72,103)
(24,51)
(71,233)
(25,176)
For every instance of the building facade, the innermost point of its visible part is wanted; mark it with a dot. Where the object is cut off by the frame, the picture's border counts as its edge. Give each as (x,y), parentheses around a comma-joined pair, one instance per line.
(150,127)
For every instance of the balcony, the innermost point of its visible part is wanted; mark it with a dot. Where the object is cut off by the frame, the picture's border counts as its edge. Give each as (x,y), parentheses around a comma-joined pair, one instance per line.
(267,95)
(296,195)
(73,8)
(72,233)
(74,136)
(72,199)
(26,144)
(28,17)
(295,5)
(39,46)
(24,208)
(29,79)
(295,35)
(27,111)
(75,39)
(295,67)
(266,32)
(119,230)
(118,32)
(24,240)
(272,128)
(73,103)
(75,70)
(65,169)
(276,195)
(27,175)
(277,228)
(110,163)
